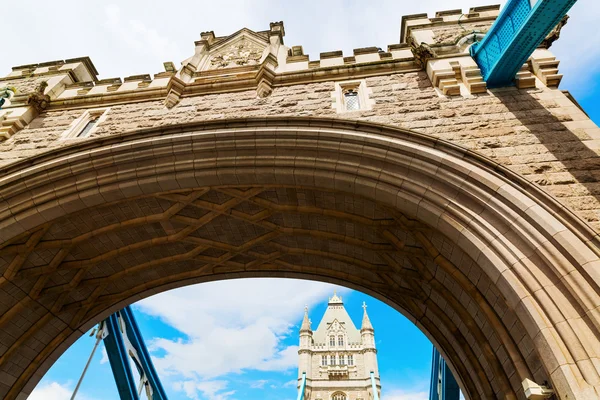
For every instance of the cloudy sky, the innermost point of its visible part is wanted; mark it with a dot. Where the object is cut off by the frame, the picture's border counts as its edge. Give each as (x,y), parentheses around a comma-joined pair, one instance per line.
(237,339)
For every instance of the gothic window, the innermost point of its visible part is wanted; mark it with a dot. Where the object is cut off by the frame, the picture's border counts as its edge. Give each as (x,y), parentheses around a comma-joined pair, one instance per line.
(331,341)
(340,341)
(332,360)
(342,359)
(323,360)
(86,124)
(352,96)
(350,359)
(338,396)
(85,132)
(351,100)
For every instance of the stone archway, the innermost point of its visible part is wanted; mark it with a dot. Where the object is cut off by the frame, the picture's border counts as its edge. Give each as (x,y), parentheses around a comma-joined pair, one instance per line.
(501,277)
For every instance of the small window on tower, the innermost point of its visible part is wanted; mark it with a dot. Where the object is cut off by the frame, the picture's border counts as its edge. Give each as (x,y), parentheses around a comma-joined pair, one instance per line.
(351,100)
(352,96)
(350,359)
(85,132)
(340,340)
(338,396)
(332,360)
(86,124)
(331,341)
(342,359)
(323,360)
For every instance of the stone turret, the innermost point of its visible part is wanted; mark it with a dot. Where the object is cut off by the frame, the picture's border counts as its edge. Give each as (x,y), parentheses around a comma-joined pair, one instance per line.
(367,336)
(306,344)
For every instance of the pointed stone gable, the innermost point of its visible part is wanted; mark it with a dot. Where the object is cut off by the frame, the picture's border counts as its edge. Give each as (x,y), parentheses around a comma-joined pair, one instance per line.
(243,48)
(336,316)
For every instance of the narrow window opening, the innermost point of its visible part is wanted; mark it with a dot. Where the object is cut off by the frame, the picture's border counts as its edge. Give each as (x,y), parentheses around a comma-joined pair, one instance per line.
(351,99)
(340,340)
(85,132)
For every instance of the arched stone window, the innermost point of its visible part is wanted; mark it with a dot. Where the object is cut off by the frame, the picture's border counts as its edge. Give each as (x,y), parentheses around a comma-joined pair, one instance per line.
(331,341)
(340,340)
(338,396)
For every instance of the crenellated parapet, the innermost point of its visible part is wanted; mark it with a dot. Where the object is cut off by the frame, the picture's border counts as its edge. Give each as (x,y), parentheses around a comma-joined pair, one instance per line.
(260,61)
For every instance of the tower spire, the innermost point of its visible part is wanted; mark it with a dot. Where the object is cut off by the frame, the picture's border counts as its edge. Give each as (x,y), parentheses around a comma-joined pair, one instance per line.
(366,322)
(305,321)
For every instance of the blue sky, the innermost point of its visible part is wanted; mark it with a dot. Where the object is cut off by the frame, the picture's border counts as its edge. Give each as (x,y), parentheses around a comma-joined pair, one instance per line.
(238,340)
(235,340)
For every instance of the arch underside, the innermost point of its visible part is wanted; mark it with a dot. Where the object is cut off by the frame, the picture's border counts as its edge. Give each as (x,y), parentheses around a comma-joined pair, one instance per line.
(499,276)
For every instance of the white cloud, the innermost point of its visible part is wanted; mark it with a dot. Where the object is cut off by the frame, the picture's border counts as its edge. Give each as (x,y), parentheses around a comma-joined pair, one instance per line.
(211,390)
(229,327)
(55,391)
(51,391)
(259,384)
(104,358)
(136,34)
(399,394)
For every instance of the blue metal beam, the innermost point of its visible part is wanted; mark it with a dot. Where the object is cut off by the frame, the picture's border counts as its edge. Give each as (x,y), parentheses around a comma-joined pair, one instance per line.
(145,362)
(374,386)
(443,386)
(119,359)
(517,32)
(302,387)
(124,341)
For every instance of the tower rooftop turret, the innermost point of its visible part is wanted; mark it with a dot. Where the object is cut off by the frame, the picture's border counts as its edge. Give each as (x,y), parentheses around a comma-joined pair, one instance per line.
(305,322)
(366,322)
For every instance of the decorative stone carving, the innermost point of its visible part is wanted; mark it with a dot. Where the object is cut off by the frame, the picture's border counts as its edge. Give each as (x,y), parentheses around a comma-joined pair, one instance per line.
(451,34)
(238,54)
(422,52)
(554,33)
(38,99)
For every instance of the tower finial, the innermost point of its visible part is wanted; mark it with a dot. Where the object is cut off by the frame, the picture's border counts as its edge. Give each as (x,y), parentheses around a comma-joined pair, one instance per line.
(305,321)
(366,322)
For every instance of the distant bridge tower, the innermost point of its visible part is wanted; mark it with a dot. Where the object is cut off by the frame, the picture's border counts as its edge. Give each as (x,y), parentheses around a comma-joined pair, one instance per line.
(340,361)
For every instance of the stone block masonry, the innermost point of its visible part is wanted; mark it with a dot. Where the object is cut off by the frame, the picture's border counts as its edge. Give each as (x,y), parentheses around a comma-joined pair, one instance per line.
(538,133)
(395,171)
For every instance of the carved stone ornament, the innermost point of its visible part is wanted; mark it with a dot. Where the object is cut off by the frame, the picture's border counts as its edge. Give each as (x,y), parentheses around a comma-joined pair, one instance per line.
(237,54)
(554,33)
(38,99)
(422,52)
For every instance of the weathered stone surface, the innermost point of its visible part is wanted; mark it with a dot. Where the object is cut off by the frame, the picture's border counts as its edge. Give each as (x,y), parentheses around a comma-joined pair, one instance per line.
(357,171)
(516,128)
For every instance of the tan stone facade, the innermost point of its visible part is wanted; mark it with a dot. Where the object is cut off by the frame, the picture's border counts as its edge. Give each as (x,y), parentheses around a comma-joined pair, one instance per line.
(474,212)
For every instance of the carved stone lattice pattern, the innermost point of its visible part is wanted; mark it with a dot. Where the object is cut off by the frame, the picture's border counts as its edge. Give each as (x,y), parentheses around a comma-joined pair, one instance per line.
(243,52)
(211,231)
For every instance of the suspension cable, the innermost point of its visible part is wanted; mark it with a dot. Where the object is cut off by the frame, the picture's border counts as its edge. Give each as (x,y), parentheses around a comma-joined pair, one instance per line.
(99,337)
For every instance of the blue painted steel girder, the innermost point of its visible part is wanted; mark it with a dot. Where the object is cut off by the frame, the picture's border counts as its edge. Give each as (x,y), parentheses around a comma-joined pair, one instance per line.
(302,387)
(119,353)
(443,386)
(119,359)
(517,32)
